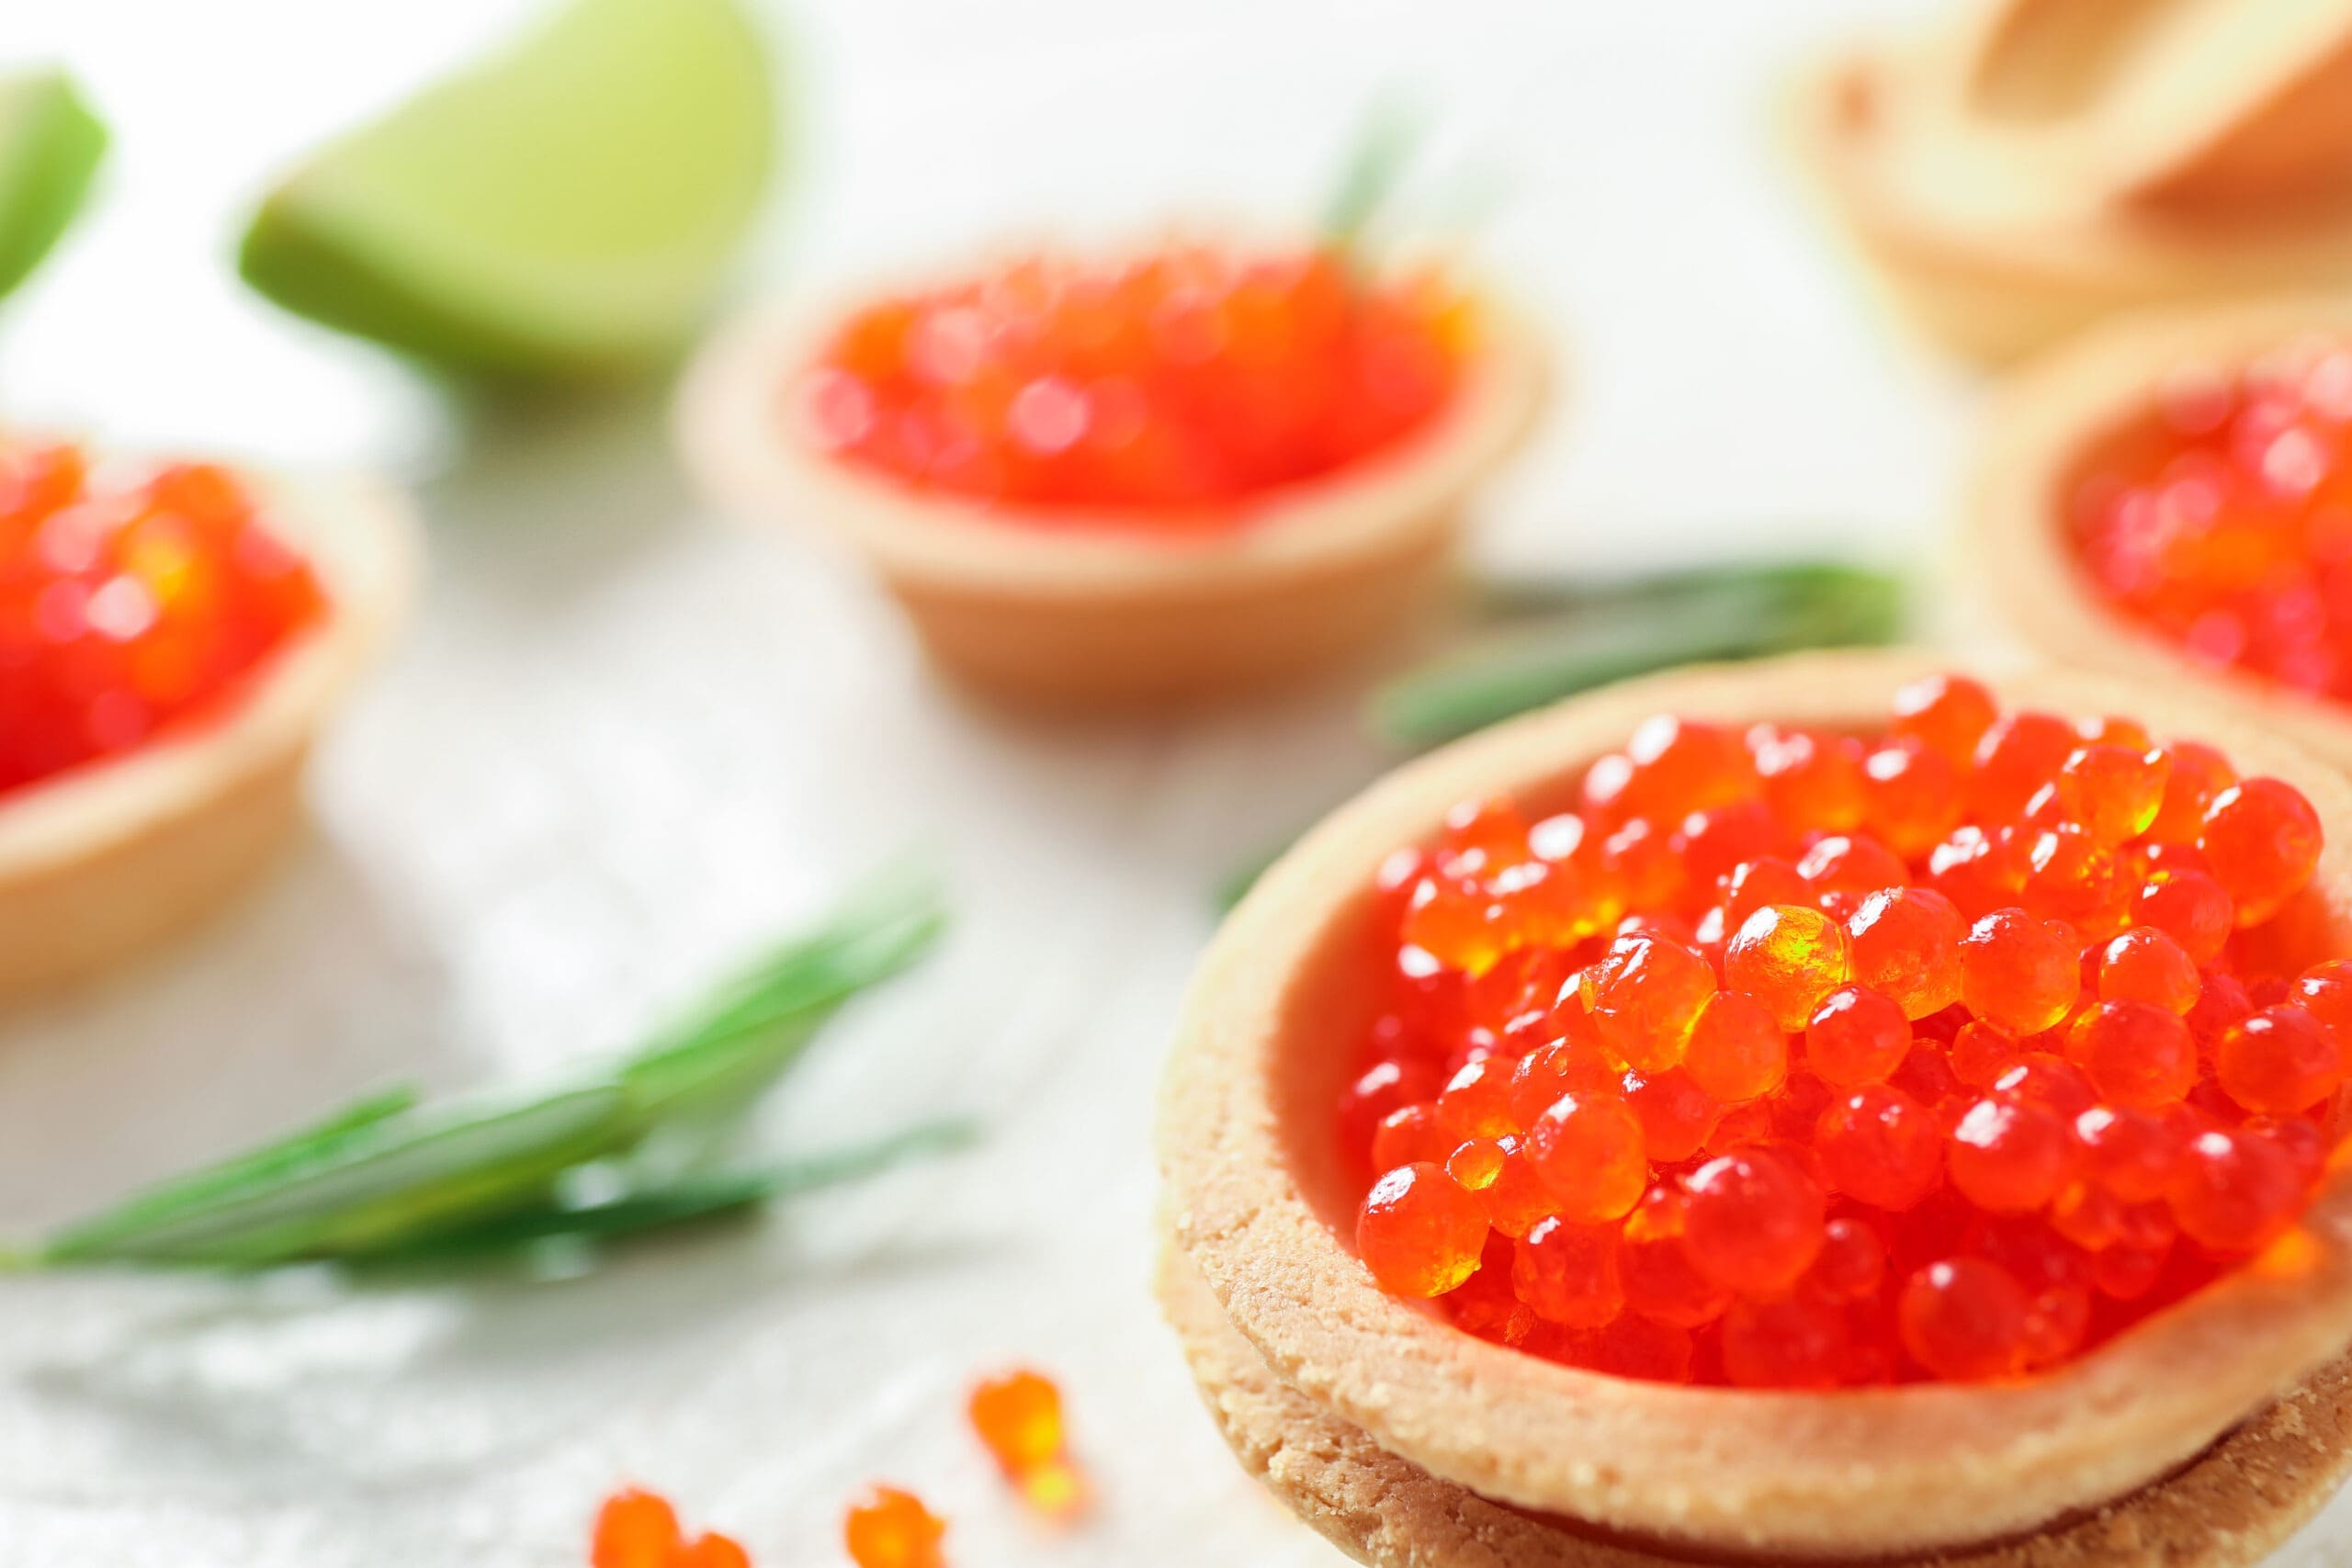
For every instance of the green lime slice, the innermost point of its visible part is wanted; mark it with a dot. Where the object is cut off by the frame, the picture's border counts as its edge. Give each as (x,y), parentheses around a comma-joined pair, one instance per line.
(563,210)
(50,146)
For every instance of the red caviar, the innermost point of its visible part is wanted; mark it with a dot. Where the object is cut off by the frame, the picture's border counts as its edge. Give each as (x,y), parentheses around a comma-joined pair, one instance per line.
(131,604)
(2221,517)
(887,1528)
(1869,1103)
(1019,1418)
(1172,387)
(638,1529)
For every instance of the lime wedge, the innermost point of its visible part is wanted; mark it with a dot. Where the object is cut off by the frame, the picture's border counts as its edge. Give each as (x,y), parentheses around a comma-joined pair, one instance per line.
(50,146)
(563,210)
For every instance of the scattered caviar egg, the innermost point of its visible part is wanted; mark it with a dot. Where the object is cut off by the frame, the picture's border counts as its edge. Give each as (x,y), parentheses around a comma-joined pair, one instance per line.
(1018,1416)
(635,1529)
(1758,1068)
(888,1528)
(638,1529)
(1167,388)
(131,606)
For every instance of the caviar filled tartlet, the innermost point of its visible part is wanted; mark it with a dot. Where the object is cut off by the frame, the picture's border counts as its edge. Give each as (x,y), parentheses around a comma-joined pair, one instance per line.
(2027,166)
(2172,498)
(1097,480)
(172,635)
(1822,1109)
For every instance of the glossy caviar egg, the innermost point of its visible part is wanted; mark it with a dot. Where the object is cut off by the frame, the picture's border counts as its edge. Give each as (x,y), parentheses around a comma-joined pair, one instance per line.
(1876,1093)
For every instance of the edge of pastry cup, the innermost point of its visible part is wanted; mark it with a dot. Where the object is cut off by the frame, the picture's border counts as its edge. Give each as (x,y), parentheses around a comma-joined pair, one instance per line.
(1995,294)
(104,861)
(1256,1200)
(1088,611)
(2229,1508)
(2041,426)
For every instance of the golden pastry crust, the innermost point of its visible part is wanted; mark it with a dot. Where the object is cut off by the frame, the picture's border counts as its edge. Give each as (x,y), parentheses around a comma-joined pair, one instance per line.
(101,863)
(1254,1199)
(1086,614)
(1997,249)
(2228,1508)
(2044,424)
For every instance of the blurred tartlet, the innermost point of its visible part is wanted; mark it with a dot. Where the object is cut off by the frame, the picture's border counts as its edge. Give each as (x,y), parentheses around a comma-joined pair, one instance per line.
(2029,166)
(1106,500)
(2160,499)
(124,838)
(1259,1194)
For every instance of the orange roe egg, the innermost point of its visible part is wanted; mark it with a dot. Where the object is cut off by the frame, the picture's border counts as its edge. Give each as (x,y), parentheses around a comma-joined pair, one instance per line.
(2261,837)
(2113,791)
(2146,966)
(1591,1153)
(2008,1156)
(711,1550)
(1736,1051)
(1910,796)
(1166,388)
(2234,1192)
(1569,1273)
(131,609)
(1754,1221)
(1659,1279)
(887,1528)
(2017,973)
(1645,997)
(1881,1147)
(1790,958)
(1947,714)
(1965,1320)
(1418,1232)
(1855,1037)
(2281,1060)
(635,1529)
(2052,1075)
(1018,1417)
(1904,943)
(2190,907)
(2137,1053)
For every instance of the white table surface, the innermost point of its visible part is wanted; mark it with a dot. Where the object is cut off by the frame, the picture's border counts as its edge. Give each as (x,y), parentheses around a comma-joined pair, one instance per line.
(622,741)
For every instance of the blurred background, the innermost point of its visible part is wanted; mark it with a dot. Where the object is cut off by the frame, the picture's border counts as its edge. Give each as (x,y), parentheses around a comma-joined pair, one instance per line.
(625,738)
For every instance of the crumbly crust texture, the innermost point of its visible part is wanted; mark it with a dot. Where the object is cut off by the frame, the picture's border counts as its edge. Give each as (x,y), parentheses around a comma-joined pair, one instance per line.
(2230,1507)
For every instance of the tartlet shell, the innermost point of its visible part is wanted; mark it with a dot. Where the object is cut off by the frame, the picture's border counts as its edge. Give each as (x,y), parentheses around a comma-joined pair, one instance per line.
(1086,612)
(1253,1200)
(2229,1508)
(1995,292)
(2043,422)
(103,861)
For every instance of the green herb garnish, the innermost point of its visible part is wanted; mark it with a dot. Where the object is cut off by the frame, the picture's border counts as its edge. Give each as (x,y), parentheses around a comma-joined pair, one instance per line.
(389,1178)
(1552,637)
(1596,636)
